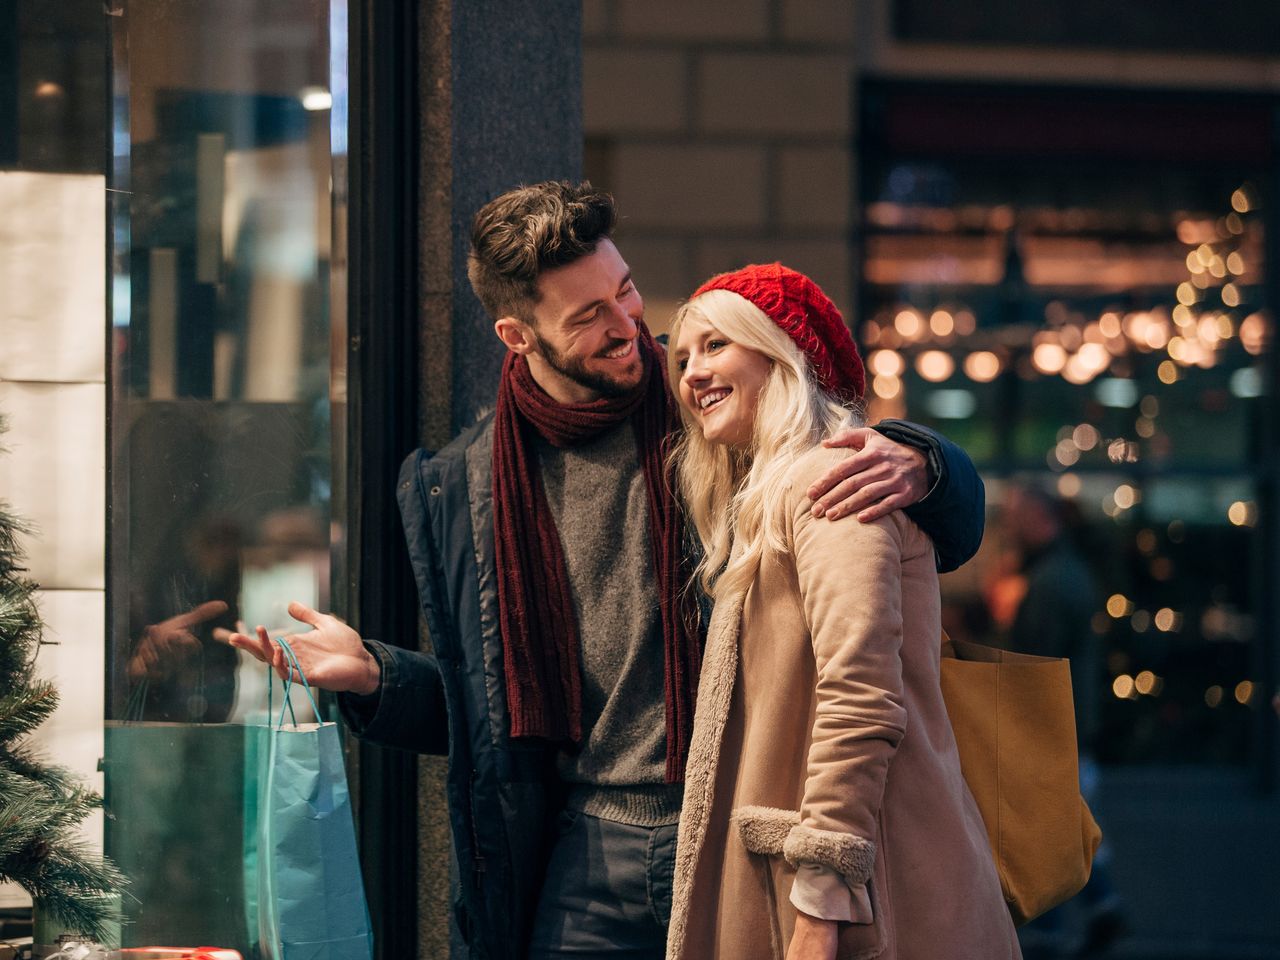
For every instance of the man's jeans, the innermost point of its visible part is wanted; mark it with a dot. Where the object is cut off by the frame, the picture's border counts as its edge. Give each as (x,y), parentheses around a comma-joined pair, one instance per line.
(607,892)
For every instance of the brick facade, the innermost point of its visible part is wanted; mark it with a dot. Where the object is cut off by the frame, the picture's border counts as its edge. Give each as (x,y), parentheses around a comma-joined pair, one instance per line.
(724,130)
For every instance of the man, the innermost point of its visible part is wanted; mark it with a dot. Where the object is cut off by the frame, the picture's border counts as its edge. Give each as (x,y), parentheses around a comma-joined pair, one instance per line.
(553,571)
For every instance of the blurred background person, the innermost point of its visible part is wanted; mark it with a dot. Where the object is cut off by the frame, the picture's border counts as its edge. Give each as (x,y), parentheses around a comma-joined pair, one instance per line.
(1045,597)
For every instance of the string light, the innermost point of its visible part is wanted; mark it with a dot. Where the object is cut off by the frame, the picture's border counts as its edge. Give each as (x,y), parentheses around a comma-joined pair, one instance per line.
(886,387)
(1244,692)
(1243,513)
(907,323)
(1118,606)
(982,366)
(1192,332)
(886,363)
(935,365)
(1049,358)
(1085,436)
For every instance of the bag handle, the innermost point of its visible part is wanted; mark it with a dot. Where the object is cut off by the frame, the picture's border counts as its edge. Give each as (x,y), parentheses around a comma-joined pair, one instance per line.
(287,683)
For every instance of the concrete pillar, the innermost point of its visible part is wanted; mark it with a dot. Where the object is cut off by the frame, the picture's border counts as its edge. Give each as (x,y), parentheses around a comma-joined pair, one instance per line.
(500,97)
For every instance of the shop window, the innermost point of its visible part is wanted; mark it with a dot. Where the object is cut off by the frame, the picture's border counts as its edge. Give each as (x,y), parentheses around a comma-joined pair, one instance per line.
(222,405)
(1074,285)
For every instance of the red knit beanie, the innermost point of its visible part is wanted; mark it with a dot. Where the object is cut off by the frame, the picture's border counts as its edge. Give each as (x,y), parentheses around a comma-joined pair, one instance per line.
(805,314)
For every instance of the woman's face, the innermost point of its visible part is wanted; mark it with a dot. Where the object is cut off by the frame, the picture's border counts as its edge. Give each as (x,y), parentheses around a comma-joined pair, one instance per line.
(720,381)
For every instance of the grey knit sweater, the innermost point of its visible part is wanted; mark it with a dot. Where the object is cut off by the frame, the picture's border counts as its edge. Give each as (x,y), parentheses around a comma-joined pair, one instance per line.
(597,496)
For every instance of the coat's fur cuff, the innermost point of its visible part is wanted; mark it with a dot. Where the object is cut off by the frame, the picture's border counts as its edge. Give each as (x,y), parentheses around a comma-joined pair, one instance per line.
(764,829)
(851,856)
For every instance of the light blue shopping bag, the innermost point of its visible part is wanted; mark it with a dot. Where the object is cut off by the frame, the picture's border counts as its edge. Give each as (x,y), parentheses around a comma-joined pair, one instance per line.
(311,903)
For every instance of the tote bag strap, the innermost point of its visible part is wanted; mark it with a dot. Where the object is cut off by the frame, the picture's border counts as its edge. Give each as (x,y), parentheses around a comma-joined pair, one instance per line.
(287,683)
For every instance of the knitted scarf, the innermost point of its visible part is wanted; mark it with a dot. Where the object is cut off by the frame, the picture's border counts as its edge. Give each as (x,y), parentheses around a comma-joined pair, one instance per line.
(535,604)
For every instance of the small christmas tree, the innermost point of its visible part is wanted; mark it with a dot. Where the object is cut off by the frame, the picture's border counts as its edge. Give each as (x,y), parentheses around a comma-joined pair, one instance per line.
(41,805)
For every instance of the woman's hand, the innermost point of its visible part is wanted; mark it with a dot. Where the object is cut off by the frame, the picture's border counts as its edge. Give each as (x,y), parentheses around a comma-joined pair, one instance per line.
(813,939)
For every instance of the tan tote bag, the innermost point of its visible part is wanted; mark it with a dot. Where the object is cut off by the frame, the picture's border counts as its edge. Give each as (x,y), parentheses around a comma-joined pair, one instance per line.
(1015,726)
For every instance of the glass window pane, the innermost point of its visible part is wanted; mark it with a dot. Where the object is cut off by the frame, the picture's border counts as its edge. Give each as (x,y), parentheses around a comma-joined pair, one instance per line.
(221,426)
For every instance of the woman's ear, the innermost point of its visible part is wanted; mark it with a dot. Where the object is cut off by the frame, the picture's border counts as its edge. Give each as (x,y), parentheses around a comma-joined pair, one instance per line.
(515,334)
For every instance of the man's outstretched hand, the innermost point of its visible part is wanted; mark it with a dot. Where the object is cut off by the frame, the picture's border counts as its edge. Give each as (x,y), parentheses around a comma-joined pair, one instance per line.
(882,476)
(331,654)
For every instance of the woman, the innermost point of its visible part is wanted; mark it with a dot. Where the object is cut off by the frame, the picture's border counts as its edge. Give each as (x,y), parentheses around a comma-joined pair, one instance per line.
(824,812)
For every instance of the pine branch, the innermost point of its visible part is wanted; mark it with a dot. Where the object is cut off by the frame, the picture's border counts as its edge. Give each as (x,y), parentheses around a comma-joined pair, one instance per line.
(22,712)
(44,816)
(11,554)
(22,762)
(11,526)
(33,821)
(77,887)
(20,629)
(38,852)
(20,820)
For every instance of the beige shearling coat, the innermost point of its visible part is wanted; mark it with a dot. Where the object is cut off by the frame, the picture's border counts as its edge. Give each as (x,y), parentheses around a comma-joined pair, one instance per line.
(821,736)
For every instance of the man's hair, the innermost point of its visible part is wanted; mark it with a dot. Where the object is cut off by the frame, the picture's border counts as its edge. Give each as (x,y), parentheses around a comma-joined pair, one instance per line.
(516,236)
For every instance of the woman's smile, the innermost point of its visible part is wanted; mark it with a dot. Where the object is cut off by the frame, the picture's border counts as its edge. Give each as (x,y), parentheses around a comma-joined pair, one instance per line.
(711,397)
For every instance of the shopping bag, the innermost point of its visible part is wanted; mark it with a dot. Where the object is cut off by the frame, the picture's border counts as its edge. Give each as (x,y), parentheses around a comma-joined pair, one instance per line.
(311,903)
(1014,724)
(166,787)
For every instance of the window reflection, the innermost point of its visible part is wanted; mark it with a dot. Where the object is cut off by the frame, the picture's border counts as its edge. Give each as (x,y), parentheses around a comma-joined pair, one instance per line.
(221,424)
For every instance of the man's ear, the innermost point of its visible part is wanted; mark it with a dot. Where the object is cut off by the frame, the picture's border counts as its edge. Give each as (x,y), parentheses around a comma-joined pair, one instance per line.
(515,334)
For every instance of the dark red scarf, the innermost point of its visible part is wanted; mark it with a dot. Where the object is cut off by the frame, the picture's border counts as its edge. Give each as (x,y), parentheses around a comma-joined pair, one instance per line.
(535,605)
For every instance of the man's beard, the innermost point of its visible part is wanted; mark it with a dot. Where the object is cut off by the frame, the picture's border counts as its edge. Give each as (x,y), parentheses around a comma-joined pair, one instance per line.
(575,368)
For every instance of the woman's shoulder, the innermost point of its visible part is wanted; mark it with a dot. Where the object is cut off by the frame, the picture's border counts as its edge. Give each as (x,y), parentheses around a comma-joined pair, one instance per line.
(811,465)
(806,470)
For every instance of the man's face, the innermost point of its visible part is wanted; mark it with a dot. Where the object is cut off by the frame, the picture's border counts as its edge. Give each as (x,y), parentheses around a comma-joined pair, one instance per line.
(584,330)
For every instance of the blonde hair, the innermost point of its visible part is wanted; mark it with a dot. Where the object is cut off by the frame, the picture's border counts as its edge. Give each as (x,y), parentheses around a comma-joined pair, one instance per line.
(734,497)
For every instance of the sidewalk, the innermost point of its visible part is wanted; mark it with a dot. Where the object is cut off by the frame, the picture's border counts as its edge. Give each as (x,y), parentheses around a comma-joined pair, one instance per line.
(1196,859)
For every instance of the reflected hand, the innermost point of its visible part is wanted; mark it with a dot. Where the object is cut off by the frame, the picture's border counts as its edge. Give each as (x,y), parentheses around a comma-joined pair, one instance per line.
(813,939)
(881,477)
(167,645)
(331,655)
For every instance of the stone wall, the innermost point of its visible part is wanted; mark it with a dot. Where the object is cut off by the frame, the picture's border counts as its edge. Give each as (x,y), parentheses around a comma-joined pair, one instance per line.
(724,129)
